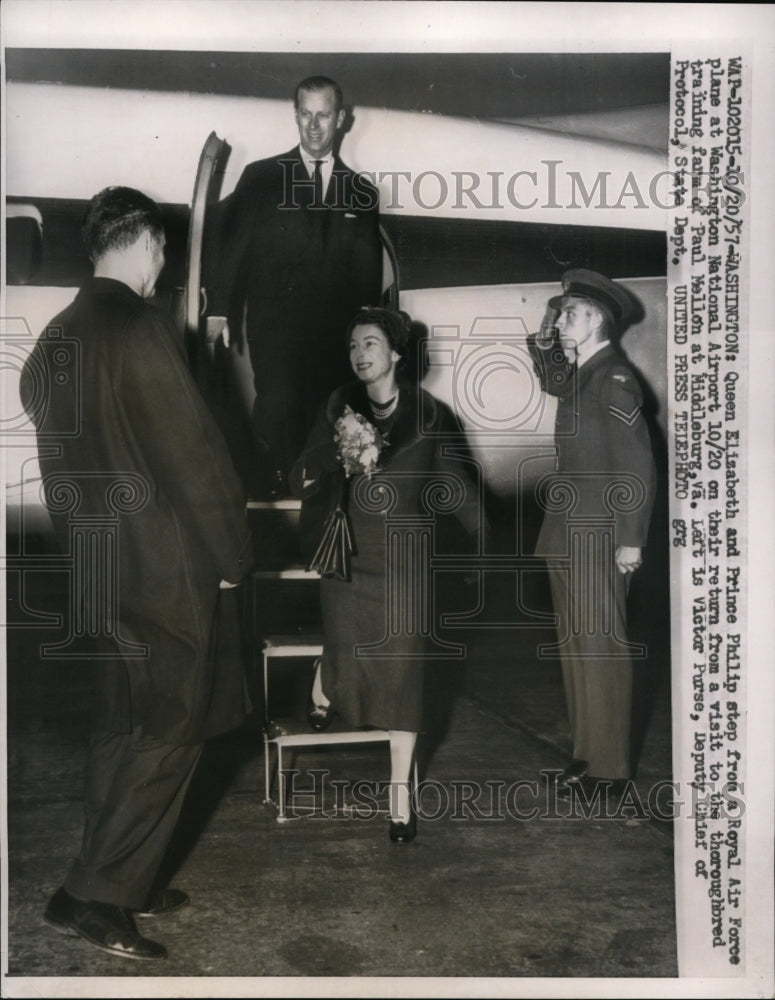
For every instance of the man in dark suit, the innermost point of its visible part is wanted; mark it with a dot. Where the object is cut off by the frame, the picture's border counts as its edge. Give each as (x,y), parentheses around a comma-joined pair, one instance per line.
(144,457)
(296,251)
(597,511)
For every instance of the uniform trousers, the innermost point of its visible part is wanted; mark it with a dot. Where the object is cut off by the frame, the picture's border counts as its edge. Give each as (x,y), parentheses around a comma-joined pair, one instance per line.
(135,787)
(591,609)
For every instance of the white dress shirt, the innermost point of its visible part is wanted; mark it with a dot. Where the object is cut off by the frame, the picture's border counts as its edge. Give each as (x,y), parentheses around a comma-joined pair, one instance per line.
(326,167)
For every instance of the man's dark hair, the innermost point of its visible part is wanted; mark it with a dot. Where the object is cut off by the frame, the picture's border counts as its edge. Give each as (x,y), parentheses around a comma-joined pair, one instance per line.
(116,217)
(319,83)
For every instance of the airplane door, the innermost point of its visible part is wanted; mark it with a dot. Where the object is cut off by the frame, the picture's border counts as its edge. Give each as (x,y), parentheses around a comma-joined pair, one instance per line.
(221,364)
(209,176)
(391,285)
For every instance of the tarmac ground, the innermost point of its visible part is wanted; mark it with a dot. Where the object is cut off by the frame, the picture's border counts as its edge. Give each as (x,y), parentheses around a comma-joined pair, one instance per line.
(504,882)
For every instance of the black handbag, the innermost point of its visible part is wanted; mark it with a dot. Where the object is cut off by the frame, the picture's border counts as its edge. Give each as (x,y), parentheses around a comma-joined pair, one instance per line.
(332,556)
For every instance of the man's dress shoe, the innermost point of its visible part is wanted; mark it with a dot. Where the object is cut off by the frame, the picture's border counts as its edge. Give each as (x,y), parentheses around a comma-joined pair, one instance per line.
(59,913)
(164,901)
(602,793)
(110,928)
(610,790)
(573,773)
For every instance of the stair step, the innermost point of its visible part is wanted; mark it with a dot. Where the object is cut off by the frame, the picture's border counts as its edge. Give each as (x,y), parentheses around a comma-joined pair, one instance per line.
(285,573)
(292,733)
(289,504)
(303,644)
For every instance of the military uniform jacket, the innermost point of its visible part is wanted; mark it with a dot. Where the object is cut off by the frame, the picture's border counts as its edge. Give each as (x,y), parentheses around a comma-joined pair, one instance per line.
(604,452)
(148,455)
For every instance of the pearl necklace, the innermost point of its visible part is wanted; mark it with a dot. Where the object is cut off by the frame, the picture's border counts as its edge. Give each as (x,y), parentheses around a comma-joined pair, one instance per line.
(384,410)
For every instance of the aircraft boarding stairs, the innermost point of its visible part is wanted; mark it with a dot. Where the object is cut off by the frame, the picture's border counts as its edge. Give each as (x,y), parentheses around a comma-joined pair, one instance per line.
(286,640)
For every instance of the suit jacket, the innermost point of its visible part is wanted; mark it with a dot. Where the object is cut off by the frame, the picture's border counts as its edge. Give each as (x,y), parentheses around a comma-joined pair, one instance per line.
(141,418)
(298,269)
(601,438)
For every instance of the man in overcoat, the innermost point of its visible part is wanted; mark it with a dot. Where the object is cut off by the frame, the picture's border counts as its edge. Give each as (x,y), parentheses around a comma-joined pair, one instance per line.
(296,251)
(123,430)
(597,509)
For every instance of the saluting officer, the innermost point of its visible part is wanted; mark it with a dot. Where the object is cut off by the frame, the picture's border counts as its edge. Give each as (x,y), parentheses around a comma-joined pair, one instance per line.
(597,509)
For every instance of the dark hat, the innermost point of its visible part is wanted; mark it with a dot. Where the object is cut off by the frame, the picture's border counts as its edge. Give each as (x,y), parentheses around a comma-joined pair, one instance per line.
(590,285)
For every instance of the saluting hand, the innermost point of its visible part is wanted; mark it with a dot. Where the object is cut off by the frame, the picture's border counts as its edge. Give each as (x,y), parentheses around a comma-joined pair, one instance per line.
(628,558)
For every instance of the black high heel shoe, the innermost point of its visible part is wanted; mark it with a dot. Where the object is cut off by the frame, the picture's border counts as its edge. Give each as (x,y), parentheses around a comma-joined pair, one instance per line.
(402,833)
(318,716)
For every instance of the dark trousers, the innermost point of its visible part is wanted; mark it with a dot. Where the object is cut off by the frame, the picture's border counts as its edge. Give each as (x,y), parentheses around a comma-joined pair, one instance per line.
(297,362)
(135,787)
(596,664)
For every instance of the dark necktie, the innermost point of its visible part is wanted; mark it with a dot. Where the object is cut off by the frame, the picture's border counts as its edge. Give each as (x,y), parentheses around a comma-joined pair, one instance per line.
(318,182)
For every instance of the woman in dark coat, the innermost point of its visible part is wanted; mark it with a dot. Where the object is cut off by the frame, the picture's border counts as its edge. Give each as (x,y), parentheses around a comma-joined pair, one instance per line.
(376,449)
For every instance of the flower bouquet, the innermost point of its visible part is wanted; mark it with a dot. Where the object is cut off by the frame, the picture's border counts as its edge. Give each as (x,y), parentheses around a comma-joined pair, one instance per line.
(359,443)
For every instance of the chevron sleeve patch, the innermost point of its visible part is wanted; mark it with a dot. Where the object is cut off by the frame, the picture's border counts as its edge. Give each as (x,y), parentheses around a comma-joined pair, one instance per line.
(624,396)
(626,418)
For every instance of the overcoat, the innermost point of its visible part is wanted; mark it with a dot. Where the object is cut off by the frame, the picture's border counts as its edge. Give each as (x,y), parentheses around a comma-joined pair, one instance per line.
(144,434)
(297,275)
(387,604)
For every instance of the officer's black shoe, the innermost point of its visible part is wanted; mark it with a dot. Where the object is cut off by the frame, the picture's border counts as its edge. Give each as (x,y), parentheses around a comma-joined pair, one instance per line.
(608,791)
(574,771)
(572,774)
